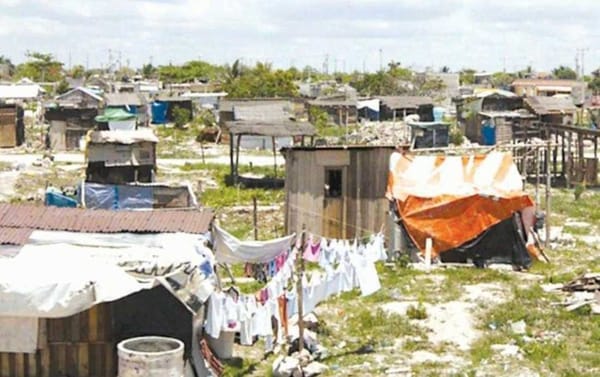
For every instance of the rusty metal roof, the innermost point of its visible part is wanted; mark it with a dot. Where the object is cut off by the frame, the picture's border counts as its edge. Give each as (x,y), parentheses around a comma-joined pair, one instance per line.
(16,220)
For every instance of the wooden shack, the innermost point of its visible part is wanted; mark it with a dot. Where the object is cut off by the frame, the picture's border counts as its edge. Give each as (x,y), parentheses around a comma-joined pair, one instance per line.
(12,127)
(71,116)
(116,157)
(336,191)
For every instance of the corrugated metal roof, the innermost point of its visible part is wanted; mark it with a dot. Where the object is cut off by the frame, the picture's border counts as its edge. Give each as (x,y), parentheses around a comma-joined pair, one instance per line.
(17,221)
(123,99)
(405,102)
(264,112)
(270,128)
(551,105)
(14,236)
(123,136)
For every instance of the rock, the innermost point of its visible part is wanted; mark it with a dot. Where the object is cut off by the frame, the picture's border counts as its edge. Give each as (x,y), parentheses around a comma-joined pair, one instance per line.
(519,327)
(320,352)
(509,350)
(314,369)
(341,345)
(285,366)
(399,371)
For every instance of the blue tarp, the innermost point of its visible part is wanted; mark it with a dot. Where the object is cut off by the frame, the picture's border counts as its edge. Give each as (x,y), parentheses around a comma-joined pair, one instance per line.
(488,133)
(159,112)
(56,199)
(101,196)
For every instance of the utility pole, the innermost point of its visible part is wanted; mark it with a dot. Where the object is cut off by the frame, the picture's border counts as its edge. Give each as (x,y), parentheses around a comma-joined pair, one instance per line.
(381,59)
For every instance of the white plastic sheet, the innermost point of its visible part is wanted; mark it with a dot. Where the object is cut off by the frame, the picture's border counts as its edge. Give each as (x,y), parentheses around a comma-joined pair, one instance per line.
(231,250)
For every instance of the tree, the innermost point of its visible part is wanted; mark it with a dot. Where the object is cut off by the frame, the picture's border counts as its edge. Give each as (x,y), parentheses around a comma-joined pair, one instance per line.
(467,76)
(594,85)
(148,70)
(40,67)
(77,72)
(259,81)
(9,67)
(181,116)
(502,79)
(564,73)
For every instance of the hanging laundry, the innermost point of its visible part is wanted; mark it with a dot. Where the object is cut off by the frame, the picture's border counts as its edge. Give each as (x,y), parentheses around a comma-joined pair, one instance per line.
(312,251)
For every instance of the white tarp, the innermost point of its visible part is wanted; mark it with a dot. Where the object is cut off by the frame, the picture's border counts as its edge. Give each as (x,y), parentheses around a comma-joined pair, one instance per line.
(372,104)
(228,249)
(59,279)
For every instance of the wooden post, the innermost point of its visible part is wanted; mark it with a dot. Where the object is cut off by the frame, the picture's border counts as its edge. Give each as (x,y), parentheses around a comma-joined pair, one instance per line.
(255,217)
(537,176)
(231,151)
(547,240)
(300,291)
(569,160)
(581,161)
(237,159)
(562,151)
(274,156)
(428,247)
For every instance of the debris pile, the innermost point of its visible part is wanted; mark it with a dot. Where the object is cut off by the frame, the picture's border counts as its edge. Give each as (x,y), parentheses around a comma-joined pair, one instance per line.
(585,290)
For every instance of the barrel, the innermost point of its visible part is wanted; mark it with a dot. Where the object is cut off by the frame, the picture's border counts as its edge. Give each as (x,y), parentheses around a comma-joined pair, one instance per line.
(150,356)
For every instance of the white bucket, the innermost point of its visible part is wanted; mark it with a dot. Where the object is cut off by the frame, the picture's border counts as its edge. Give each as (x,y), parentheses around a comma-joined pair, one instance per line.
(151,356)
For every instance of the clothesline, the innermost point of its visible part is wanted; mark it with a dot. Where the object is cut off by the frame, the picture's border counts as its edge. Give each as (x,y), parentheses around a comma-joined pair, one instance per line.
(321,216)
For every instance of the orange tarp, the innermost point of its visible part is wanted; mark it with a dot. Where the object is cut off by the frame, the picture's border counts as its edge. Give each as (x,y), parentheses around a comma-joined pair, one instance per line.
(454,199)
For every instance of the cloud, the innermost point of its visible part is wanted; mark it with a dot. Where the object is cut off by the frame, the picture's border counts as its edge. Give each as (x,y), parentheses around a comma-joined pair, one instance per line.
(458,33)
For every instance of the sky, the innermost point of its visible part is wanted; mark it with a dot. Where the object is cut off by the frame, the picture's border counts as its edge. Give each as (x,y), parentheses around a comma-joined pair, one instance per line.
(488,35)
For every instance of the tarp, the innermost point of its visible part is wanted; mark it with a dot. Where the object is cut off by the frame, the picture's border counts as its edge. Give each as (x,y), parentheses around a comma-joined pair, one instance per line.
(114,114)
(58,275)
(453,199)
(229,249)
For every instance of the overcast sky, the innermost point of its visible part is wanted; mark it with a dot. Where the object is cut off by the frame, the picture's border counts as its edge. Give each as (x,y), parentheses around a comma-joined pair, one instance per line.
(484,34)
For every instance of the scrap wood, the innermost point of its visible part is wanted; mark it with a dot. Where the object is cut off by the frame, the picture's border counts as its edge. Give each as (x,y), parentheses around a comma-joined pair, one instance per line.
(209,356)
(587,283)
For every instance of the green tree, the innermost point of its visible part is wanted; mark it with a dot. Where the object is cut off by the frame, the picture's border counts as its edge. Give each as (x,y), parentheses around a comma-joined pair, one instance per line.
(259,81)
(594,85)
(467,76)
(181,116)
(40,67)
(564,73)
(148,70)
(502,79)
(190,71)
(62,87)
(77,72)
(10,67)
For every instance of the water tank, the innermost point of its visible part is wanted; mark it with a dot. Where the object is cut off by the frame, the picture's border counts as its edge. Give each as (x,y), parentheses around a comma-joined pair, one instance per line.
(151,356)
(159,112)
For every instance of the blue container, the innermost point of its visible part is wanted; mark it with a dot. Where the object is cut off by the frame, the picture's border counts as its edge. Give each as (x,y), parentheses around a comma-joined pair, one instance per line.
(159,112)
(488,134)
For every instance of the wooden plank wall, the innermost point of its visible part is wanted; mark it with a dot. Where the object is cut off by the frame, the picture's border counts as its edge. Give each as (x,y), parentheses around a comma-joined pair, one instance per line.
(365,208)
(8,128)
(78,346)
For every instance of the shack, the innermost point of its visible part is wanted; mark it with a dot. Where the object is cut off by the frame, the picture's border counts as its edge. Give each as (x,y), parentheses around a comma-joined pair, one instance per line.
(71,116)
(116,157)
(133,103)
(12,127)
(398,107)
(164,106)
(272,129)
(114,275)
(136,196)
(336,191)
(429,134)
(341,109)
(555,110)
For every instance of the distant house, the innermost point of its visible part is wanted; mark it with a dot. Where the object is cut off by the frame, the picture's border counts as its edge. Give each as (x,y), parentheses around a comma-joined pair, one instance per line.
(549,88)
(116,157)
(71,115)
(133,103)
(556,110)
(164,106)
(26,92)
(492,115)
(336,191)
(272,111)
(340,108)
(398,107)
(12,127)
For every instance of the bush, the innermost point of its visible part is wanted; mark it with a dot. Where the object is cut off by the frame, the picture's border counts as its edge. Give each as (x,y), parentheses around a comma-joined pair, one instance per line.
(181,116)
(456,136)
(416,312)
